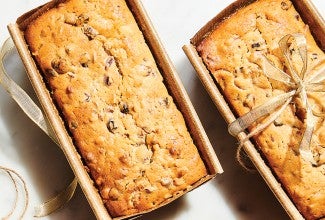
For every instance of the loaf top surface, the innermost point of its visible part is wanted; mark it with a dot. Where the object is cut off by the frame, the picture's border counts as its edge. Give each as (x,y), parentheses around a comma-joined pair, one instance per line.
(233,52)
(105,82)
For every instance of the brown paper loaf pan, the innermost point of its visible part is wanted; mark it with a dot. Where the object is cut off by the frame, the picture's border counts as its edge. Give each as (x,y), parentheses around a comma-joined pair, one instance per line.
(171,81)
(310,16)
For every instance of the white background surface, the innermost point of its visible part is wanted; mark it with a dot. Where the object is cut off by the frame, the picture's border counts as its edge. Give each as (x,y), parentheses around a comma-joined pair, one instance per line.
(235,194)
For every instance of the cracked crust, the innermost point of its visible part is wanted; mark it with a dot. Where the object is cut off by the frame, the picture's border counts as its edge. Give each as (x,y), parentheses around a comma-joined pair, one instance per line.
(231,53)
(105,82)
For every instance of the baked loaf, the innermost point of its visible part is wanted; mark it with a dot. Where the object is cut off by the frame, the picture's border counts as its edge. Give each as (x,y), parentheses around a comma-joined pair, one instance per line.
(126,126)
(232,53)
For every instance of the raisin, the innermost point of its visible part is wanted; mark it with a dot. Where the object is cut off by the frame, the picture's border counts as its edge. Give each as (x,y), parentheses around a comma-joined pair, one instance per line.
(164,101)
(89,31)
(73,125)
(51,72)
(111,125)
(61,66)
(107,80)
(254,45)
(109,61)
(82,19)
(285,5)
(314,56)
(124,108)
(87,97)
(69,90)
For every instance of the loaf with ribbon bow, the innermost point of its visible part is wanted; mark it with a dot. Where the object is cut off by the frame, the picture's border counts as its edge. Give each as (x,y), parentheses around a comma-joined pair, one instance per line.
(271,72)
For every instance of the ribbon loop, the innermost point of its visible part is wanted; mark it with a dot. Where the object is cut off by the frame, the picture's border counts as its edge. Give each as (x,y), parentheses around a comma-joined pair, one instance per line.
(278,74)
(285,44)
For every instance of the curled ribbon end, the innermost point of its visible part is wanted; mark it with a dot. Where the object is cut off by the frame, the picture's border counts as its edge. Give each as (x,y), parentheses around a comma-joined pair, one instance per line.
(37,211)
(308,156)
(232,129)
(56,202)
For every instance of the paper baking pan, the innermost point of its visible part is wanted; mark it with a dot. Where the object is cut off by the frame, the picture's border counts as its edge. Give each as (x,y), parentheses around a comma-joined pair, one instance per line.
(316,24)
(171,80)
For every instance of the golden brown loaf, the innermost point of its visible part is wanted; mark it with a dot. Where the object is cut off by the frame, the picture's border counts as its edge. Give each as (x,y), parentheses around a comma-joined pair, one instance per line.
(231,52)
(104,80)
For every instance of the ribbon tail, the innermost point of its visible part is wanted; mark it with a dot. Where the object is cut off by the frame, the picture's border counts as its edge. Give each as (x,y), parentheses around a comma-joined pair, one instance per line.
(56,202)
(265,124)
(304,147)
(252,116)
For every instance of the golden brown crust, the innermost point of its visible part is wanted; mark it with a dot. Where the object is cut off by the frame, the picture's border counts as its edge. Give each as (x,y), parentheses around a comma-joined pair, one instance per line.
(106,84)
(231,53)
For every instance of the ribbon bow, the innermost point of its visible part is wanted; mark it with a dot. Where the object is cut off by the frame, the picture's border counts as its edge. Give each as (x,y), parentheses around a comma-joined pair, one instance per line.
(300,84)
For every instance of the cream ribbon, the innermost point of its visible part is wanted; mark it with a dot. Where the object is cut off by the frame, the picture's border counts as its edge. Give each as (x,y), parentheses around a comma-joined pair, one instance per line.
(300,84)
(37,116)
